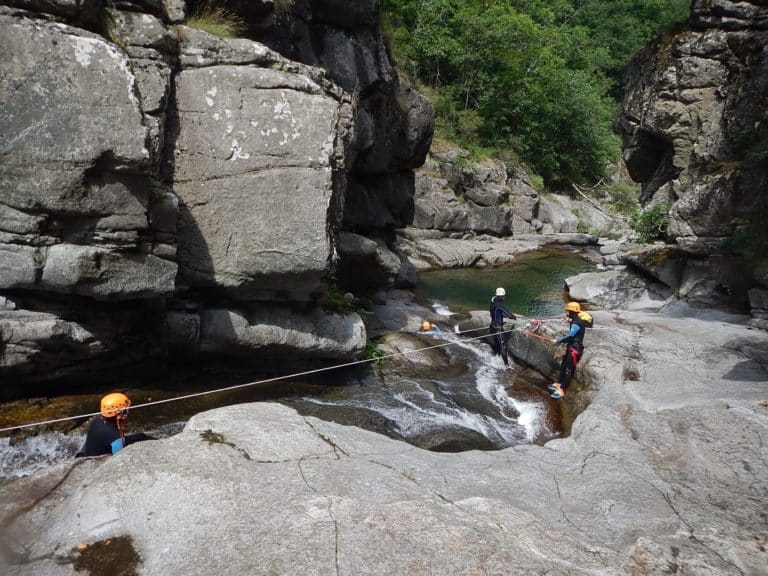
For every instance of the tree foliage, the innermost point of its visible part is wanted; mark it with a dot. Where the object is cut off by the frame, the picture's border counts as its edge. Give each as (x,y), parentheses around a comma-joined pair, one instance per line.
(651,223)
(538,76)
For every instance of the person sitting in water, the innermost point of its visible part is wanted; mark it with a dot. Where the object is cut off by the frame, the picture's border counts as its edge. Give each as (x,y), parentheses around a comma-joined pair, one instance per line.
(498,313)
(106,434)
(428,327)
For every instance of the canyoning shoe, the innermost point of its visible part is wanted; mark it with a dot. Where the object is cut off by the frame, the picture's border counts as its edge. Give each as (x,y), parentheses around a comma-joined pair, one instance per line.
(551,387)
(557,391)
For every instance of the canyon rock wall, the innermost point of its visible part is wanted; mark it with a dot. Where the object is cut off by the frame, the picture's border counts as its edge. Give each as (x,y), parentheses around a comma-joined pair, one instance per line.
(161,187)
(695,132)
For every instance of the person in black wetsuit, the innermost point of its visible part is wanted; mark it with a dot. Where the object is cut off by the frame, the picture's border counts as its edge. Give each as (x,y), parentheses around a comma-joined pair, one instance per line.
(106,435)
(580,321)
(498,313)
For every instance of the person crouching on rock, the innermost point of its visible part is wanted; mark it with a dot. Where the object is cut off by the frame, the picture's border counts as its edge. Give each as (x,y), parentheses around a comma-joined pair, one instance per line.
(498,313)
(106,434)
(428,328)
(579,321)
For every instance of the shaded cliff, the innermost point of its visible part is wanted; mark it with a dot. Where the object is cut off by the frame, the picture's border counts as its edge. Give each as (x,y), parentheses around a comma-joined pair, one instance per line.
(166,191)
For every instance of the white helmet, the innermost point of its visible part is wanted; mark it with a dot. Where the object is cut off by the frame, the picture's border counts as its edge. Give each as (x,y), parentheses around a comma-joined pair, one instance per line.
(501,292)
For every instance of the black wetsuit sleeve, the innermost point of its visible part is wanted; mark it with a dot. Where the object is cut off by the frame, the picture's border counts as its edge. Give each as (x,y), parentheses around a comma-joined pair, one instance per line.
(498,313)
(508,314)
(138,437)
(100,436)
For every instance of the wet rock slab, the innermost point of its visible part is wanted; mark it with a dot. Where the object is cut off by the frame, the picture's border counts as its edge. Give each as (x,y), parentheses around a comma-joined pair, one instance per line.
(660,474)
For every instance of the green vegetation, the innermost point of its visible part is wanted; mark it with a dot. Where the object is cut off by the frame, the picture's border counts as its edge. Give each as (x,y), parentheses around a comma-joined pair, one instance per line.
(539,77)
(217,20)
(651,223)
(750,235)
(215,438)
(337,302)
(372,351)
(157,190)
(623,197)
(537,182)
(751,141)
(583,226)
(110,30)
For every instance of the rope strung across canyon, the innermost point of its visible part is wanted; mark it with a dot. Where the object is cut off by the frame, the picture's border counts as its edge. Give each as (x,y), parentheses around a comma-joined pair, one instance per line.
(274,379)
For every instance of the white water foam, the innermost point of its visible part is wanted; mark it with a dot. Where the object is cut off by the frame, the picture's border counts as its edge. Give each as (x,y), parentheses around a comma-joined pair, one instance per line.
(529,414)
(34,453)
(416,416)
(410,419)
(441,309)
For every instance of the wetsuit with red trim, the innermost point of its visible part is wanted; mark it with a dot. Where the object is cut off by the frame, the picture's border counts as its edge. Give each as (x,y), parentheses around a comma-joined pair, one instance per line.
(575,341)
(498,313)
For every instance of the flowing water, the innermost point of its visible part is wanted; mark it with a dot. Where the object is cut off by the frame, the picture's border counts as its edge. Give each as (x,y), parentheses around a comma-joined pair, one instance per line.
(470,402)
(466,400)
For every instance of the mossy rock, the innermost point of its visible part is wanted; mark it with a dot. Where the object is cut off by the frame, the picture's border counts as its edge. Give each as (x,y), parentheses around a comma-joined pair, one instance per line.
(664,263)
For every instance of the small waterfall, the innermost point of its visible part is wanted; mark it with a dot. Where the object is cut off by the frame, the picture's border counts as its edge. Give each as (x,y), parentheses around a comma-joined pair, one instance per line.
(472,404)
(27,456)
(19,458)
(474,400)
(441,309)
(525,414)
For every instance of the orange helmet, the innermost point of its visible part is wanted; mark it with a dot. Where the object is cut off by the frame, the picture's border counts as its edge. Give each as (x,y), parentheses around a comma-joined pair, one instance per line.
(113,404)
(573,307)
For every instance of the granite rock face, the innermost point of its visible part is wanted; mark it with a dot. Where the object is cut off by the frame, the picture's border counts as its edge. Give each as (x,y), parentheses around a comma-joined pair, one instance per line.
(162,168)
(659,475)
(394,123)
(262,150)
(479,198)
(456,195)
(76,187)
(432,249)
(694,122)
(695,132)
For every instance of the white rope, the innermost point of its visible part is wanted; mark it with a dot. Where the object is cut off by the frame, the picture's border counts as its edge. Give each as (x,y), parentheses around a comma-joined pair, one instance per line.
(266,381)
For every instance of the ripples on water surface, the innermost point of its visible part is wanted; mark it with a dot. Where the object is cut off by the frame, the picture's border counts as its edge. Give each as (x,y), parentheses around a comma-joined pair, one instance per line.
(534,285)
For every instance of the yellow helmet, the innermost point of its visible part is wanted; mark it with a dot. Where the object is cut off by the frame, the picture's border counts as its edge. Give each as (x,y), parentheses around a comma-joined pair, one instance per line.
(113,404)
(573,307)
(426,326)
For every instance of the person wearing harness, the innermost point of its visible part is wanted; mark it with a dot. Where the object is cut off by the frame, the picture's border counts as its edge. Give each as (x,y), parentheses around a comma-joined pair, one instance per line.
(498,313)
(579,321)
(106,434)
